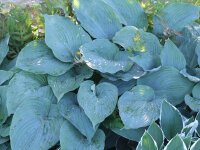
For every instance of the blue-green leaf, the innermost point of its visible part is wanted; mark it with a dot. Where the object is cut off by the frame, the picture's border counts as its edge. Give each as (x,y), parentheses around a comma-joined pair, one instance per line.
(98,18)
(64,37)
(4,48)
(104,56)
(23,84)
(176,143)
(166,82)
(196,145)
(146,61)
(171,120)
(147,143)
(5,75)
(99,101)
(69,81)
(125,38)
(72,139)
(121,85)
(157,134)
(198,119)
(70,110)
(171,56)
(130,12)
(192,77)
(175,16)
(38,123)
(193,103)
(3,107)
(37,58)
(138,107)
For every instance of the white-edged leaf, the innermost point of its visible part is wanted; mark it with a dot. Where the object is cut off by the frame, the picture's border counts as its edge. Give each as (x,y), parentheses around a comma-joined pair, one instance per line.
(176,143)
(192,102)
(170,120)
(196,145)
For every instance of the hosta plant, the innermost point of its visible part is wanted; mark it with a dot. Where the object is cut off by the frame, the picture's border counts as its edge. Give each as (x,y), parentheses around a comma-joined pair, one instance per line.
(101,81)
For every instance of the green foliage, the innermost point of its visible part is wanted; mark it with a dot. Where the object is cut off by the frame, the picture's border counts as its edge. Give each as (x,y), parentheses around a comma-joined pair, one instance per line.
(100,74)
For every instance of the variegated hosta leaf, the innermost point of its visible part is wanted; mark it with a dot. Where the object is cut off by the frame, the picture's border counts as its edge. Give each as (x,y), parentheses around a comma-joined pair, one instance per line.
(64,37)
(166,82)
(38,123)
(99,101)
(175,16)
(146,61)
(176,143)
(196,145)
(198,119)
(3,107)
(98,18)
(23,84)
(4,48)
(104,56)
(69,81)
(125,38)
(130,12)
(171,56)
(72,139)
(157,134)
(121,85)
(5,75)
(131,134)
(170,120)
(138,107)
(37,58)
(134,73)
(70,110)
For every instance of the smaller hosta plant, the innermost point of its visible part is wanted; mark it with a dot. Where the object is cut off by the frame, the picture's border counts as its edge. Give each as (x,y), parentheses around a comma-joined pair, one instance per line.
(80,89)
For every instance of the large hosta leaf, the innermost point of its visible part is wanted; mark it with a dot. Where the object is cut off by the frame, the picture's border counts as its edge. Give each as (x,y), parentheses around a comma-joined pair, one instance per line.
(64,37)
(70,110)
(104,56)
(3,107)
(121,85)
(22,84)
(146,61)
(5,75)
(175,16)
(72,139)
(69,81)
(98,101)
(138,107)
(38,123)
(166,82)
(125,38)
(4,47)
(135,72)
(171,120)
(98,18)
(198,51)
(193,103)
(37,58)
(171,56)
(130,12)
(176,143)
